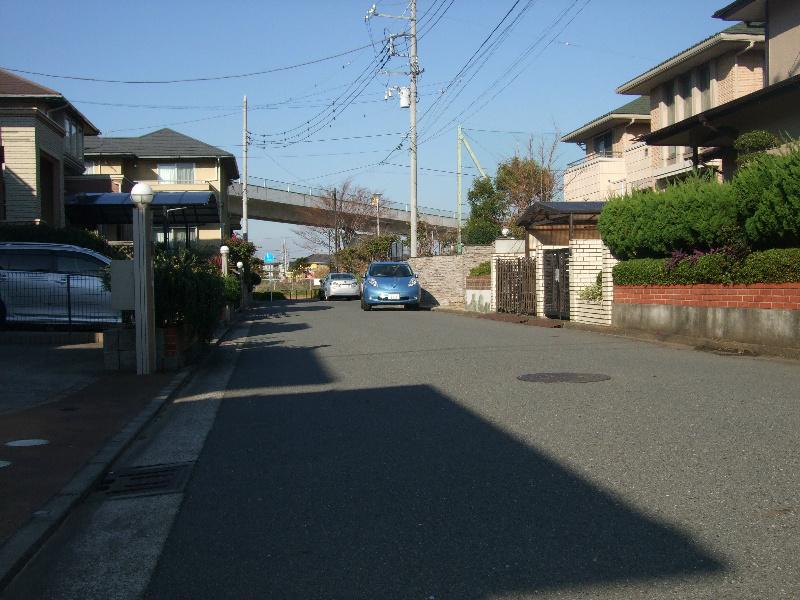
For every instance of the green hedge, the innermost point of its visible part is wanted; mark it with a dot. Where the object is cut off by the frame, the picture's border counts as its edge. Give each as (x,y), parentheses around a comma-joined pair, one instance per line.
(188,290)
(770,266)
(66,235)
(697,213)
(759,209)
(484,268)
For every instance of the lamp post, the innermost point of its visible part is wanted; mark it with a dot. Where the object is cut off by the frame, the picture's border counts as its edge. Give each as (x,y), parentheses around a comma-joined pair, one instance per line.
(144,303)
(224,251)
(240,266)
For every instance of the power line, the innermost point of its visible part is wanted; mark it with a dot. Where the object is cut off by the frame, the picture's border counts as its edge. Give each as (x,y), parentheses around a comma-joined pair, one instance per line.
(193,79)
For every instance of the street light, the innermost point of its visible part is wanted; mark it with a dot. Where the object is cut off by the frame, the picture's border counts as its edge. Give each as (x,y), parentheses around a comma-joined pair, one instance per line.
(144,304)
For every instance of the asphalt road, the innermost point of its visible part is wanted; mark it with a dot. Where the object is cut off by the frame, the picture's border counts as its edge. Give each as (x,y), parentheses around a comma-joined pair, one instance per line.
(395,455)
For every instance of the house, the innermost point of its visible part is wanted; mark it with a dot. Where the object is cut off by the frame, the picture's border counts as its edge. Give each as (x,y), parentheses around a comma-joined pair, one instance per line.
(613,164)
(716,71)
(168,161)
(318,264)
(42,137)
(771,106)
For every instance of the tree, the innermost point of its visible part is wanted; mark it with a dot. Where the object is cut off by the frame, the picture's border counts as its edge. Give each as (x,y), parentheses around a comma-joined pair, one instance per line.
(487,213)
(245,251)
(299,266)
(524,180)
(346,211)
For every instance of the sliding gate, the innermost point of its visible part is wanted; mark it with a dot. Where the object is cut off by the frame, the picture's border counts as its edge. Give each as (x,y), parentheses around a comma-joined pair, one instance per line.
(516,285)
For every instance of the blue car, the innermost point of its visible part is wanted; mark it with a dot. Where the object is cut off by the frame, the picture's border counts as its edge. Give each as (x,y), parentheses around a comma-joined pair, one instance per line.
(392,283)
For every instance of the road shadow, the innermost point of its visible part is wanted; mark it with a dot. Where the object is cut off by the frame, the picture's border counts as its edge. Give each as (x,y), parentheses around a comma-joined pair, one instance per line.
(401,493)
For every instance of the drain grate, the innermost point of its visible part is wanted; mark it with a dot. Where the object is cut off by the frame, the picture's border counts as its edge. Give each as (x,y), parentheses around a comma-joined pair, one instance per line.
(151,480)
(564,377)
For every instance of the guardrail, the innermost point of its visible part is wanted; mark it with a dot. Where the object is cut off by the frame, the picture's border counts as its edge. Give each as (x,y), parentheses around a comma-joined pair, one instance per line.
(285,186)
(593,156)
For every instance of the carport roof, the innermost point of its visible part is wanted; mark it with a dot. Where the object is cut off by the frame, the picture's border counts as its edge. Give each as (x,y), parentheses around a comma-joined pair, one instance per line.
(186,208)
(548,213)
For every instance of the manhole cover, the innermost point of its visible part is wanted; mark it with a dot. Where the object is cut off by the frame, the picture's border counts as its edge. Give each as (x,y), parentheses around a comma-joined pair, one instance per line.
(146,481)
(564,377)
(26,443)
(4,464)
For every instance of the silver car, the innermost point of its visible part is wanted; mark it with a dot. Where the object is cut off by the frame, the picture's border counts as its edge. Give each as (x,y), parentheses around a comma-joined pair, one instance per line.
(340,285)
(53,283)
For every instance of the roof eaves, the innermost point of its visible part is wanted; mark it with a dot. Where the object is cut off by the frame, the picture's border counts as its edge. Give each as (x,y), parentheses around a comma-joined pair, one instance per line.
(742,10)
(630,87)
(579,134)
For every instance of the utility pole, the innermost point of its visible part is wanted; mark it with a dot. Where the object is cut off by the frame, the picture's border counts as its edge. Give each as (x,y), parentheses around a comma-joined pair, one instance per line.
(414,72)
(414,65)
(244,170)
(458,196)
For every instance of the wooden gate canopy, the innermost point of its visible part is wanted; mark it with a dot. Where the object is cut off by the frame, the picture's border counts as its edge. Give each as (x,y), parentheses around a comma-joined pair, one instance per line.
(551,213)
(555,223)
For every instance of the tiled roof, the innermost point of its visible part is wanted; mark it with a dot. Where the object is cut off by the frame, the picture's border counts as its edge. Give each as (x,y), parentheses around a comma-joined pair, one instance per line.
(162,143)
(12,84)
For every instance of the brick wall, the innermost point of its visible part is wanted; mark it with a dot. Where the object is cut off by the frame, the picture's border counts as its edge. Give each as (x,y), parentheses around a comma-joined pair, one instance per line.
(587,259)
(443,277)
(480,282)
(771,296)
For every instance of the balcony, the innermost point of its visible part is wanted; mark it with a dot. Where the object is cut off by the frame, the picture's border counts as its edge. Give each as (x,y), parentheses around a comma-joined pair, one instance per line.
(592,177)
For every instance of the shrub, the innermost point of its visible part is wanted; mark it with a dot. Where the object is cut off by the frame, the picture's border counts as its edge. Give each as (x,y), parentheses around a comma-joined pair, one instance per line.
(594,292)
(696,213)
(67,235)
(188,291)
(484,268)
(750,144)
(233,290)
(767,197)
(770,266)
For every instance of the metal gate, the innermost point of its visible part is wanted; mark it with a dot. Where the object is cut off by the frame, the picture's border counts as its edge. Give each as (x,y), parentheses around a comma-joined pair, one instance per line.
(516,285)
(556,284)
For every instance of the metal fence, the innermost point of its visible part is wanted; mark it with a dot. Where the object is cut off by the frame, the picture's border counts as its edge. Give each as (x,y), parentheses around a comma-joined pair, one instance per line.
(516,285)
(64,299)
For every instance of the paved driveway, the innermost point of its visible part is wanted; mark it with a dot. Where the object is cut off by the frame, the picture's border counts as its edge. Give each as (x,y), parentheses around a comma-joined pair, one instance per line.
(396,455)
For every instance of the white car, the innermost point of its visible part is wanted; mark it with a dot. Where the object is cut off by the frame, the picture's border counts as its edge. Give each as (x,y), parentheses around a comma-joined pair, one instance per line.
(55,284)
(340,285)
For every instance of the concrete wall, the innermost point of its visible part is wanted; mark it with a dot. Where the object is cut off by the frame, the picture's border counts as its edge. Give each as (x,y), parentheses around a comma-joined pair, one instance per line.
(587,259)
(592,179)
(763,314)
(443,277)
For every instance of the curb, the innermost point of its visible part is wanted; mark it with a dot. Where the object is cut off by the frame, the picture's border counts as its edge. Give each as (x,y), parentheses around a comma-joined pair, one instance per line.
(21,546)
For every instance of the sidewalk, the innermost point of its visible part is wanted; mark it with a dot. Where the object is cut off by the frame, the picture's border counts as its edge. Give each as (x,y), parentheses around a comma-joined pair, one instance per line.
(87,417)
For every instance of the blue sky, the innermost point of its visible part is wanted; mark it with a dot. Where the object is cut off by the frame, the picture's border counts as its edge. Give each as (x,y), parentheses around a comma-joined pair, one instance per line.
(559,87)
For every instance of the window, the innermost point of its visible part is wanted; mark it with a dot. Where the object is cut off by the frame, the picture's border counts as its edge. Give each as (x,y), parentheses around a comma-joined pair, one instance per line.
(389,270)
(91,167)
(603,144)
(73,262)
(685,89)
(26,260)
(704,86)
(669,101)
(176,173)
(73,138)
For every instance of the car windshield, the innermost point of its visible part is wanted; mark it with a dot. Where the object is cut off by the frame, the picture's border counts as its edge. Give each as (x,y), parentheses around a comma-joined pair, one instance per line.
(342,277)
(390,270)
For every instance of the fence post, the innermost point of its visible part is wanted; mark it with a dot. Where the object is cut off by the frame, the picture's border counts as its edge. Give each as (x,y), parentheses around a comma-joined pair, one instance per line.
(69,303)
